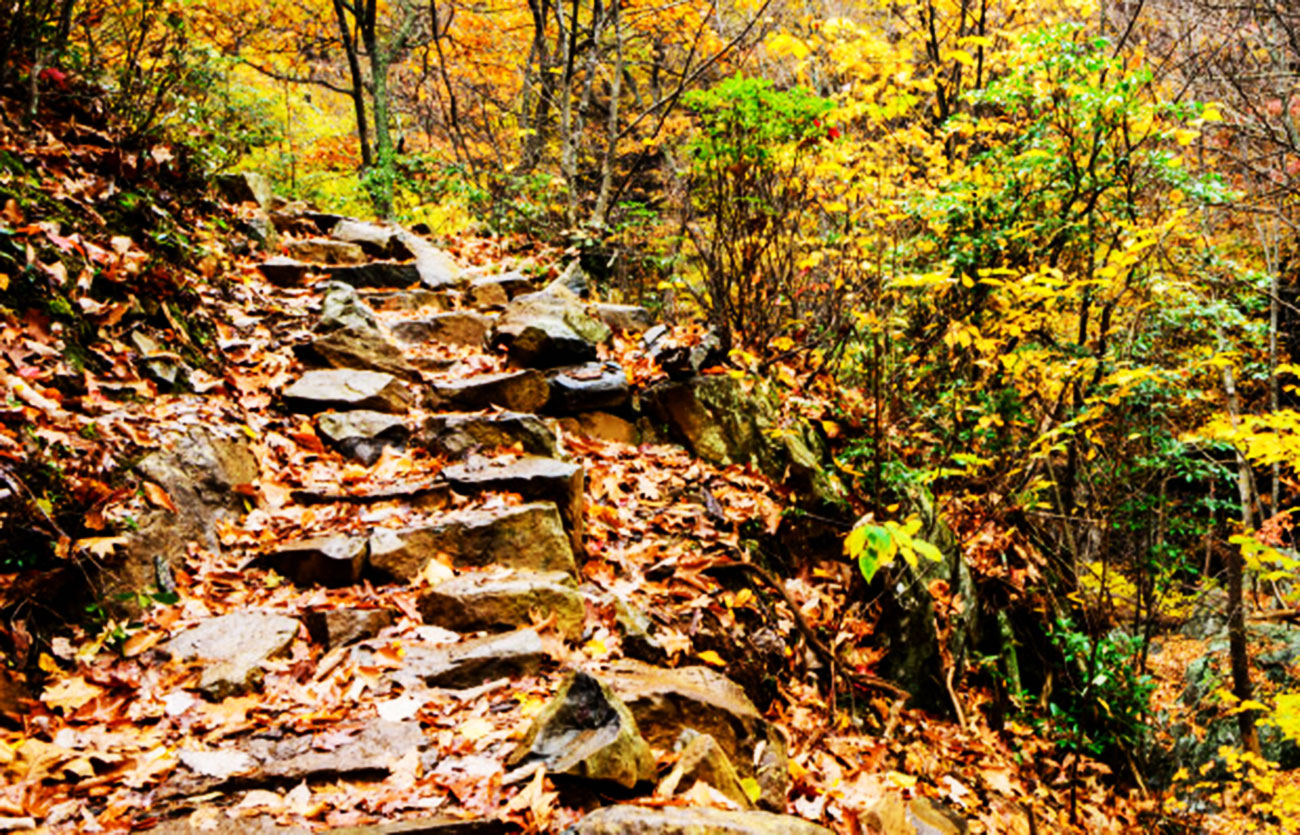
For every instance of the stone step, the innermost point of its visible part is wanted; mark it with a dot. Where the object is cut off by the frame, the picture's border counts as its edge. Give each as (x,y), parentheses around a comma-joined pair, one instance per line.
(592,387)
(473,602)
(424,496)
(676,820)
(232,648)
(526,537)
(534,478)
(517,391)
(458,434)
(332,561)
(363,348)
(473,662)
(362,434)
(325,251)
(547,329)
(391,274)
(344,388)
(460,327)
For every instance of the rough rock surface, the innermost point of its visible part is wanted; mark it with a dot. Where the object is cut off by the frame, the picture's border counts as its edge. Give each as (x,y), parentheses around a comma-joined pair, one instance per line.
(339,627)
(549,328)
(528,537)
(327,561)
(473,662)
(532,477)
(358,348)
(640,820)
(362,434)
(460,327)
(457,435)
(586,731)
(232,648)
(518,391)
(325,251)
(471,602)
(316,391)
(591,387)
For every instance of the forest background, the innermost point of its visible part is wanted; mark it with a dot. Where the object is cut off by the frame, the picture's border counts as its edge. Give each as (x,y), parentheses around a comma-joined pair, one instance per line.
(1035,260)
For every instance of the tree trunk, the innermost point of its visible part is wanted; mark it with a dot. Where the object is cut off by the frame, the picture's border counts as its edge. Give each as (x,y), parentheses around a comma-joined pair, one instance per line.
(358,83)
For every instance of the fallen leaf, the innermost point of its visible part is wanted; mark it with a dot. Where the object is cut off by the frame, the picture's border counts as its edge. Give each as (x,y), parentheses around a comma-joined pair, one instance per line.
(70,693)
(158,497)
(711,657)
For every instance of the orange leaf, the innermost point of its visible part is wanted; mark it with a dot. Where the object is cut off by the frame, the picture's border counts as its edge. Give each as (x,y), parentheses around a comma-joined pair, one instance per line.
(158,497)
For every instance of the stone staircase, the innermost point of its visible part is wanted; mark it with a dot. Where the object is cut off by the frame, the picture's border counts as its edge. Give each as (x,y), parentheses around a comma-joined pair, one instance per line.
(434,619)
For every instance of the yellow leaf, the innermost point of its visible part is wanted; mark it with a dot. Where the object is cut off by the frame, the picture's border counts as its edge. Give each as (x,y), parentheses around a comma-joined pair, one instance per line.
(752,790)
(70,693)
(711,657)
(476,728)
(903,781)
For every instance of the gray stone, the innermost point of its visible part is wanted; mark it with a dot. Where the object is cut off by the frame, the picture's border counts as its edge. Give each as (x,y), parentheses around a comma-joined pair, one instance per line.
(667,701)
(408,300)
(260,230)
(630,318)
(163,367)
(432,826)
(486,295)
(342,308)
(518,391)
(512,283)
(325,251)
(586,731)
(549,329)
(285,272)
(635,635)
(573,280)
(679,820)
(591,387)
(360,349)
(246,187)
(362,434)
(377,241)
(375,749)
(326,561)
(681,362)
(528,537)
(232,649)
(436,267)
(473,662)
(473,602)
(701,759)
(460,327)
(348,389)
(339,627)
(457,435)
(602,426)
(377,274)
(534,478)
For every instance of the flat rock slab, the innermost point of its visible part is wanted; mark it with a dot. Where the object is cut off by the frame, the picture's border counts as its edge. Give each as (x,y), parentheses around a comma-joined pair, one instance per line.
(473,662)
(375,749)
(426,496)
(325,251)
(409,300)
(513,284)
(529,537)
(602,426)
(362,434)
(233,648)
(339,627)
(586,731)
(285,272)
(456,435)
(623,317)
(431,826)
(342,388)
(375,240)
(665,702)
(460,327)
(377,274)
(472,602)
(548,329)
(517,391)
(534,478)
(676,820)
(592,387)
(333,561)
(364,348)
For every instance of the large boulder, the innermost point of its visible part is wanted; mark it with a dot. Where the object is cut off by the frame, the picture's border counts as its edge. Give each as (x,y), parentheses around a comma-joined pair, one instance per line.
(913,650)
(548,329)
(720,421)
(528,537)
(678,820)
(534,478)
(457,435)
(473,602)
(666,702)
(232,649)
(586,731)
(316,391)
